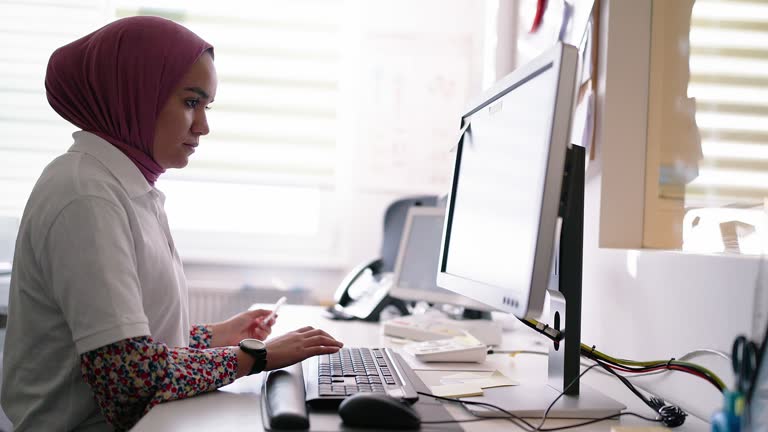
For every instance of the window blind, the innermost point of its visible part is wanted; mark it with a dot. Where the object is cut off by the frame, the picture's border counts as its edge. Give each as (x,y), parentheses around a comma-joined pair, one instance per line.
(33,133)
(271,154)
(729,80)
(273,121)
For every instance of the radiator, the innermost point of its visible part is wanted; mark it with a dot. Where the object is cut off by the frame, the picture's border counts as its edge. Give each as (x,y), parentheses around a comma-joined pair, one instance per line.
(209,305)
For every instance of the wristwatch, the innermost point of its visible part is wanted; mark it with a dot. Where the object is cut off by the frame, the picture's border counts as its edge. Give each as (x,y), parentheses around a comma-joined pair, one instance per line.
(258,350)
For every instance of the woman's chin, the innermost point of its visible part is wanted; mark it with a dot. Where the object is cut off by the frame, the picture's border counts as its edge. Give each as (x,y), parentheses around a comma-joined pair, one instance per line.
(177,164)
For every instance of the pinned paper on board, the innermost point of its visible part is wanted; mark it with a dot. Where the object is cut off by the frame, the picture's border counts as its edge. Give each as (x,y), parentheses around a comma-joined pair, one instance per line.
(584,116)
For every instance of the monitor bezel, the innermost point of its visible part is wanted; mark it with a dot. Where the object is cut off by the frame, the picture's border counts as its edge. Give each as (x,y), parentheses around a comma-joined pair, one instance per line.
(527,302)
(413,294)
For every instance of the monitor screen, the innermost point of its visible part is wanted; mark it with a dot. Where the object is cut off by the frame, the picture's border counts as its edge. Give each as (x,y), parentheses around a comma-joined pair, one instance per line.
(499,233)
(417,259)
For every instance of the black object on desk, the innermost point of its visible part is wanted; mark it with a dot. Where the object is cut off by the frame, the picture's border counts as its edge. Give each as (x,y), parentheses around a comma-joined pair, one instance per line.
(283,406)
(378,410)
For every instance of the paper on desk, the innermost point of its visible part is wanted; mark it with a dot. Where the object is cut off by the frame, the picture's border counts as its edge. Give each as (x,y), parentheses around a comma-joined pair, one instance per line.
(456,390)
(417,364)
(480,379)
(398,341)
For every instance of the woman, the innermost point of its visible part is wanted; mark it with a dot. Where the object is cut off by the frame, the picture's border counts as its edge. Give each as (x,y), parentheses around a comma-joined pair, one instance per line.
(98,329)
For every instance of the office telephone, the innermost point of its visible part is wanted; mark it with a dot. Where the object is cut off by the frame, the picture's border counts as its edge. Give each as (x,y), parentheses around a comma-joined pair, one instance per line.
(364,293)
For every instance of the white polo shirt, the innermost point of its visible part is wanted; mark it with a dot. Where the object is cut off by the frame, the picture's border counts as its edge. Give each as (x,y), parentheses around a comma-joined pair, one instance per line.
(94,264)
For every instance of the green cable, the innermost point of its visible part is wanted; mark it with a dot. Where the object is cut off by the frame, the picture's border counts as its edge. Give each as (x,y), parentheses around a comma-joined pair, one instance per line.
(557,335)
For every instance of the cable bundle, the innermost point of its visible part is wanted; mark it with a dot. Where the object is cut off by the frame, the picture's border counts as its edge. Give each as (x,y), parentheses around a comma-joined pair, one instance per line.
(632,366)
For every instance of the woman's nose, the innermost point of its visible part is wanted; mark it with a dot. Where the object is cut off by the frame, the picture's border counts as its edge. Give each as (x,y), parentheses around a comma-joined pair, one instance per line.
(200,125)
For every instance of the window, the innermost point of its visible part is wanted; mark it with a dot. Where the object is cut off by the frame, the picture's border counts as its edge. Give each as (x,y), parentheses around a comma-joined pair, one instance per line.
(315,99)
(708,115)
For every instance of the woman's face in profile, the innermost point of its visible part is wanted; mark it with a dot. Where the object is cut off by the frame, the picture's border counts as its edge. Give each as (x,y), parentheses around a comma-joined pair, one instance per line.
(182,121)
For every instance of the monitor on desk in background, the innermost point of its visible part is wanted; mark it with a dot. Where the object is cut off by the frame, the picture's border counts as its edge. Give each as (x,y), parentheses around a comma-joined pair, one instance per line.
(416,263)
(499,233)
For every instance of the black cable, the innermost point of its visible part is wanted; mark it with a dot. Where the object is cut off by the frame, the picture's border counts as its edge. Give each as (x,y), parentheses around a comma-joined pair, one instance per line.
(510,416)
(671,415)
(573,381)
(527,426)
(597,420)
(493,351)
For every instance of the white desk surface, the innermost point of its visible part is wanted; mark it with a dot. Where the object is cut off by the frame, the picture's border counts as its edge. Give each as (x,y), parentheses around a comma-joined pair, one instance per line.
(236,406)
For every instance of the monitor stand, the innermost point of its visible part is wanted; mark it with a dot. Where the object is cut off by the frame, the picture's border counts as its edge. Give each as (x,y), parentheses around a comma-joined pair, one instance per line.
(532,400)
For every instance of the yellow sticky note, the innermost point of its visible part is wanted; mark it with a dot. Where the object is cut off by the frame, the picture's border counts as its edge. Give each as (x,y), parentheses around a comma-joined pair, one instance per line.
(495,381)
(468,376)
(456,390)
(479,379)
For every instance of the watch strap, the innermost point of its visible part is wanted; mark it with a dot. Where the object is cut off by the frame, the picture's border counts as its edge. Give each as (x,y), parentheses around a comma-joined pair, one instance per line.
(259,359)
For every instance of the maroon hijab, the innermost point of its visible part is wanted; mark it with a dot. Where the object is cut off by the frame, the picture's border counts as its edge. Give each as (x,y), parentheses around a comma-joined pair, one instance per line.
(114,81)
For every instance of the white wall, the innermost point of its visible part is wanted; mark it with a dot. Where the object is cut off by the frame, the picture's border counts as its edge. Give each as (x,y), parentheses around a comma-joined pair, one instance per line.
(652,304)
(643,304)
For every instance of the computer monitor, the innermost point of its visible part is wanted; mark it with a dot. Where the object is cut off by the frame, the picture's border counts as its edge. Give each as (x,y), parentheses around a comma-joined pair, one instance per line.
(513,229)
(499,234)
(417,258)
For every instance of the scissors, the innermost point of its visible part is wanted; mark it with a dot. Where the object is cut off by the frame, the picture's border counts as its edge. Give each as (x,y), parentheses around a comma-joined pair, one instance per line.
(744,362)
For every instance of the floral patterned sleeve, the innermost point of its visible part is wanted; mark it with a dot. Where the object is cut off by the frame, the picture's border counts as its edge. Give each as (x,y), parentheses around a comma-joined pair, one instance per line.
(131,376)
(200,337)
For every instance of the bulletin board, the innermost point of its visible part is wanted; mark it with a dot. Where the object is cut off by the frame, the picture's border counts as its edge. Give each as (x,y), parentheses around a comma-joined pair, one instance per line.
(584,118)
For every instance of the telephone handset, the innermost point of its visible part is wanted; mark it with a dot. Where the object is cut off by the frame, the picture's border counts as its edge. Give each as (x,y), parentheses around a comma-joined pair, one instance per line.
(364,293)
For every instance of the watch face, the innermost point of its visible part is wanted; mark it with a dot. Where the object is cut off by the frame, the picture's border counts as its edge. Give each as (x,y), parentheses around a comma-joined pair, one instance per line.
(253,344)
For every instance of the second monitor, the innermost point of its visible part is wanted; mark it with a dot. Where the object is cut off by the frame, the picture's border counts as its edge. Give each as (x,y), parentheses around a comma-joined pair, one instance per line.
(417,260)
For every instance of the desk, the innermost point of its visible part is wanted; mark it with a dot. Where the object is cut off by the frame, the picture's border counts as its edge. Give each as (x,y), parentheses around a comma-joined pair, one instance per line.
(236,406)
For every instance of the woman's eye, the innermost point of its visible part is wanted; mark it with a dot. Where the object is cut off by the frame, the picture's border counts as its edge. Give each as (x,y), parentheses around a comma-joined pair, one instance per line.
(192,103)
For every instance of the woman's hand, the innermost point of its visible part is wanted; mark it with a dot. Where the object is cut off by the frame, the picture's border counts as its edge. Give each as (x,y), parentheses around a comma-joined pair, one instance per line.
(298,345)
(249,324)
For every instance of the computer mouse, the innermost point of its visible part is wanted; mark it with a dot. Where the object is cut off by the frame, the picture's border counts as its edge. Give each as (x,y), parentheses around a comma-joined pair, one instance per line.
(377,410)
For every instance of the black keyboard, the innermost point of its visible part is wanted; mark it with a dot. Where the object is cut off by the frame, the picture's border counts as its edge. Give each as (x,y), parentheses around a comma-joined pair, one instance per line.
(329,378)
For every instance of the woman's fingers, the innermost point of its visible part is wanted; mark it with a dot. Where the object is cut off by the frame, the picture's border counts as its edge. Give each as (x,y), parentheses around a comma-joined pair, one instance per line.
(317,350)
(316,332)
(298,345)
(322,341)
(258,313)
(259,322)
